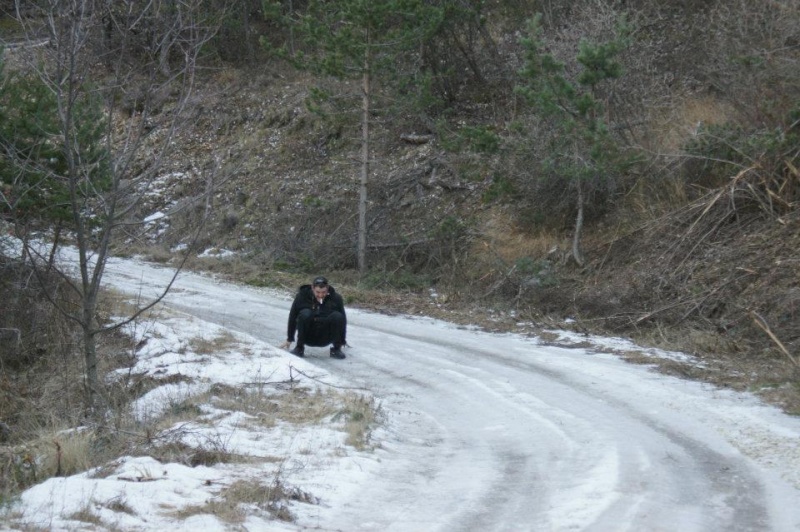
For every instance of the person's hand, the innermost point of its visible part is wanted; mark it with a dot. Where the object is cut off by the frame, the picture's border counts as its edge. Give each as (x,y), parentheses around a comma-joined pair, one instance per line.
(286,344)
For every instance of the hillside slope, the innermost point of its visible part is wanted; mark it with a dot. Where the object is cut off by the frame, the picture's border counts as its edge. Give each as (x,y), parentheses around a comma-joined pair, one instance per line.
(684,252)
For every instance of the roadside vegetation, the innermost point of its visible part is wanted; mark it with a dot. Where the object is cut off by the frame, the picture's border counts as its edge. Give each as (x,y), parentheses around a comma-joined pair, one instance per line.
(46,432)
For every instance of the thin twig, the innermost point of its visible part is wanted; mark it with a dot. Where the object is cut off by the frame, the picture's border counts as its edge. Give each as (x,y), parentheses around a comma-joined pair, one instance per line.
(268,383)
(328,384)
(499,283)
(662,309)
(701,301)
(762,323)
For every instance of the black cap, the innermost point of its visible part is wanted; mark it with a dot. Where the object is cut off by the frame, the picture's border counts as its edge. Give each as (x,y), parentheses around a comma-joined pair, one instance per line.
(320,281)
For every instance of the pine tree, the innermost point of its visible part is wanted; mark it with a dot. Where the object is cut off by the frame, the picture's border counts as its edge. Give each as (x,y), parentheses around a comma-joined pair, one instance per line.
(582,149)
(33,165)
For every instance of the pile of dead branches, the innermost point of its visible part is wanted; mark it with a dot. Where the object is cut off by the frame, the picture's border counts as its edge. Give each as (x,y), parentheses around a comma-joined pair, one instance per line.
(726,262)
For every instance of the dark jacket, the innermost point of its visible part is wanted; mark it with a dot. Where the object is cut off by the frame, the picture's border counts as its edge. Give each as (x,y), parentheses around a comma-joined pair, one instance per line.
(305,299)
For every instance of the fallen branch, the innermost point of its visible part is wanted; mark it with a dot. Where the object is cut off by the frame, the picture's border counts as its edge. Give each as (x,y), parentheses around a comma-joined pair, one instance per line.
(401,244)
(662,309)
(287,382)
(500,282)
(292,369)
(762,323)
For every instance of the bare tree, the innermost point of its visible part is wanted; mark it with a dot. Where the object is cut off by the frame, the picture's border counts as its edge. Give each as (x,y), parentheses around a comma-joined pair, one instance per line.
(121,75)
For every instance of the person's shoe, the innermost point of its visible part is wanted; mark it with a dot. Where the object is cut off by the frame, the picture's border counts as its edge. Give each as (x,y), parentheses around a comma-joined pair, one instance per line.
(336,352)
(298,351)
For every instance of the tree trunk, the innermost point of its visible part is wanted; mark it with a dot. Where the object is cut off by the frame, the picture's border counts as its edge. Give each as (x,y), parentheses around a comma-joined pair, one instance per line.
(291,30)
(163,58)
(54,247)
(246,31)
(90,359)
(362,203)
(576,239)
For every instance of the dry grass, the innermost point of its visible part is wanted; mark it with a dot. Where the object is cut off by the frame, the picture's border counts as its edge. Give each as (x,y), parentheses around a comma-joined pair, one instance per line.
(167,448)
(301,406)
(207,346)
(120,505)
(116,303)
(359,414)
(672,127)
(242,497)
(648,200)
(48,406)
(164,437)
(355,413)
(501,239)
(65,453)
(86,515)
(784,394)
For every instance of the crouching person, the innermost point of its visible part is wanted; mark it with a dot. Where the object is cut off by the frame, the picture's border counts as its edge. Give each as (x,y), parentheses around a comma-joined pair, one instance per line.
(318,317)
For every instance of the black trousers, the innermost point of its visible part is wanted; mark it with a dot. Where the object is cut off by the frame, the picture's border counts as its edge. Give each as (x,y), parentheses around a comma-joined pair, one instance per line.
(320,331)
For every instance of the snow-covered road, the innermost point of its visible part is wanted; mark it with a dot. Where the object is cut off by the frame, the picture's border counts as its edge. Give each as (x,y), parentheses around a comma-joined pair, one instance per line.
(502,432)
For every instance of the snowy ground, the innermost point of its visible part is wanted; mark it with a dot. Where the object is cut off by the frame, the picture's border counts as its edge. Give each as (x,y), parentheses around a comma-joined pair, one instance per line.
(479,432)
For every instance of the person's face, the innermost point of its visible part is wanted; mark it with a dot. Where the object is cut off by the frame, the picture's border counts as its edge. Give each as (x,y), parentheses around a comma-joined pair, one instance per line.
(320,291)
